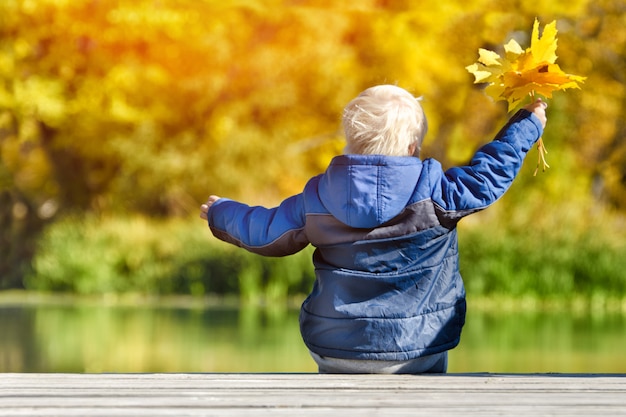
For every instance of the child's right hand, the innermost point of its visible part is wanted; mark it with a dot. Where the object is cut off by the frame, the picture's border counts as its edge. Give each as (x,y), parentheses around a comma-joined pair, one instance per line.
(539,109)
(204,209)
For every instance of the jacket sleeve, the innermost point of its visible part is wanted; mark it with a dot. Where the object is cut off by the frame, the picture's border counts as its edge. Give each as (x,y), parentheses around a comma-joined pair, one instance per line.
(466,189)
(277,231)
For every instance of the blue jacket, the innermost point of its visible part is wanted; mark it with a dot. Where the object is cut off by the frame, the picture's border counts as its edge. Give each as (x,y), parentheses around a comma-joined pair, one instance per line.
(387,283)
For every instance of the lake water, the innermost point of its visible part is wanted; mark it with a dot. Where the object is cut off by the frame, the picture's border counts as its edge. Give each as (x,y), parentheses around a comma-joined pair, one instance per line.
(174,337)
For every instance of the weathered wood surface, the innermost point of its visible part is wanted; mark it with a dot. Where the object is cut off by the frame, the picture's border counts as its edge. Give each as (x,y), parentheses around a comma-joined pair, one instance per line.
(293,395)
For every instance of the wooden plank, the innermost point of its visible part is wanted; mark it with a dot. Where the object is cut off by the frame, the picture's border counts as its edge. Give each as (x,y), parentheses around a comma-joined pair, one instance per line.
(311,395)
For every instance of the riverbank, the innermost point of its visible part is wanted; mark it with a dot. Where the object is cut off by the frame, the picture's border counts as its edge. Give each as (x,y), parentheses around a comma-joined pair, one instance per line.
(577,304)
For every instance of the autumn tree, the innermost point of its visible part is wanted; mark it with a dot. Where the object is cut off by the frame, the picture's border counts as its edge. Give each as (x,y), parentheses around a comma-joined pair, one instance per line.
(148,106)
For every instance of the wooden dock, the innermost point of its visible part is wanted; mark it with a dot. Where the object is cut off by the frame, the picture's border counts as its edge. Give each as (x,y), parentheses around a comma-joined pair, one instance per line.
(292,395)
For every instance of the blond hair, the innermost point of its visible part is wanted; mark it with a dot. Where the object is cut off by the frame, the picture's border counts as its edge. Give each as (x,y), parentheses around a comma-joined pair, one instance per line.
(384,120)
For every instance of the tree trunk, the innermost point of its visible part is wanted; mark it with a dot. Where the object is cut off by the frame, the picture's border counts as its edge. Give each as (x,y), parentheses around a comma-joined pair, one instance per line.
(20,227)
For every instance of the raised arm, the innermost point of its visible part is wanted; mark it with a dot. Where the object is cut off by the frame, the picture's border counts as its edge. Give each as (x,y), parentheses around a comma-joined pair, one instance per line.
(466,189)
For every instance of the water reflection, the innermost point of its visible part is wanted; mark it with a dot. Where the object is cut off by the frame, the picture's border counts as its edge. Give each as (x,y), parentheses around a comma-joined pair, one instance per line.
(73,337)
(542,342)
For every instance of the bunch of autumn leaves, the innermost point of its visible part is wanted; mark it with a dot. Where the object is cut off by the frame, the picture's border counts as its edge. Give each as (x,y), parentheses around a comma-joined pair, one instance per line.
(524,73)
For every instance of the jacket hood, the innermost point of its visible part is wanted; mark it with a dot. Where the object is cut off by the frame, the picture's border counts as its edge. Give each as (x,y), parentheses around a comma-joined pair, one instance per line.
(365,191)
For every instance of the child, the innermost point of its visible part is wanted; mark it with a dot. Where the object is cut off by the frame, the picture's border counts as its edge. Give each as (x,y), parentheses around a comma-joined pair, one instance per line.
(388,296)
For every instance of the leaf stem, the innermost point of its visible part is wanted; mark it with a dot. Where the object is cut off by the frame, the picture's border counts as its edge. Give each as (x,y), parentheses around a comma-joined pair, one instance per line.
(541,148)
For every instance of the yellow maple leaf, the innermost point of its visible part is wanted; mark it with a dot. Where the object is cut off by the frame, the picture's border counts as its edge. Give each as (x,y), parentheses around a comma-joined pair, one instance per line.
(523,73)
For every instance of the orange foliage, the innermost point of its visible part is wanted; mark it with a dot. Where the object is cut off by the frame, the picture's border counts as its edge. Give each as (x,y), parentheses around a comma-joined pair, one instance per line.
(150,106)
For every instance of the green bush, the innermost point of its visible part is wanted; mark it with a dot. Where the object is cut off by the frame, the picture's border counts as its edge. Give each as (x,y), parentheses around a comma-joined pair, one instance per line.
(140,255)
(560,264)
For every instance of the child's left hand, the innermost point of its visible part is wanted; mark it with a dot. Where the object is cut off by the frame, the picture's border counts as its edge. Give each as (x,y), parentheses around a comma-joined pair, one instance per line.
(204,209)
(538,107)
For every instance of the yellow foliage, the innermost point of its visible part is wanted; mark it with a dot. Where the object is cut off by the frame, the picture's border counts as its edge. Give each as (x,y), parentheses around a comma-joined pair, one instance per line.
(522,73)
(151,102)
(41,97)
